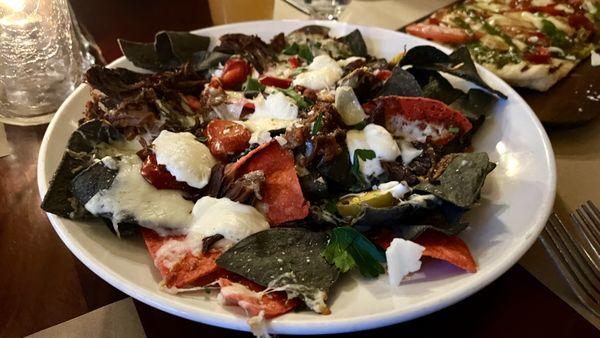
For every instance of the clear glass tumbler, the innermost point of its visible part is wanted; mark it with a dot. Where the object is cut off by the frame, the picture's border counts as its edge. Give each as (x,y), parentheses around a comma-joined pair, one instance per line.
(326,9)
(41,59)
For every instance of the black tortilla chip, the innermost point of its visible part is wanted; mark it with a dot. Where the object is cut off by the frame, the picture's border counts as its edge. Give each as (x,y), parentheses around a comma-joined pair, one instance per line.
(91,180)
(356,43)
(312,29)
(280,256)
(401,83)
(59,199)
(475,104)
(435,86)
(461,182)
(458,63)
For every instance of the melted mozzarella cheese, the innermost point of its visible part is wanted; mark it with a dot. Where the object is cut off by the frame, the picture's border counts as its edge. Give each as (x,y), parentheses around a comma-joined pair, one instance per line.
(322,73)
(413,131)
(397,189)
(130,196)
(403,257)
(185,157)
(409,152)
(377,139)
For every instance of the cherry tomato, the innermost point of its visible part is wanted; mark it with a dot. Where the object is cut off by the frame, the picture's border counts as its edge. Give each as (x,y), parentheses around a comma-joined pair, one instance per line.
(235,72)
(226,137)
(158,175)
(439,33)
(538,54)
(294,62)
(383,74)
(275,82)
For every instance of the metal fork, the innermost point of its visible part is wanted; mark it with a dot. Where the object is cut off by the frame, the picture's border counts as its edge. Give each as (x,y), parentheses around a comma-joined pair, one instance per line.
(578,265)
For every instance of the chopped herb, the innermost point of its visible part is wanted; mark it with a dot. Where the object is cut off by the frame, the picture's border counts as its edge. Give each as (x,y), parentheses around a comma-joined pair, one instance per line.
(252,85)
(299,70)
(461,23)
(558,37)
(331,207)
(348,249)
(495,31)
(305,53)
(454,130)
(302,51)
(484,54)
(301,101)
(201,138)
(596,14)
(361,154)
(317,124)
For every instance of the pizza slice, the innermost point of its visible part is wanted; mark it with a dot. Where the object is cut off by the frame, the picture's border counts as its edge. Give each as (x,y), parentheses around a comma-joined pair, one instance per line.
(528,43)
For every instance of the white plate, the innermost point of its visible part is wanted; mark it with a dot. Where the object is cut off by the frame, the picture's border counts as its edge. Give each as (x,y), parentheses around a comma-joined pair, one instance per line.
(516,200)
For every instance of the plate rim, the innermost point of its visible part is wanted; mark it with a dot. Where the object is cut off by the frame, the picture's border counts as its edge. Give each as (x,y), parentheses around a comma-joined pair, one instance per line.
(280,325)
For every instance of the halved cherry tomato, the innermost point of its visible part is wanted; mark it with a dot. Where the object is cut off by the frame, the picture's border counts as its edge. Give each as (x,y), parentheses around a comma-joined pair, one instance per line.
(294,62)
(439,33)
(226,137)
(383,74)
(158,175)
(235,72)
(538,54)
(275,82)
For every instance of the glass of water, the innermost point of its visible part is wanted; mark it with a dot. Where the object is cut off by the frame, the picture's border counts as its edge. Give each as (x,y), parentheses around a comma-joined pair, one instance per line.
(41,59)
(326,9)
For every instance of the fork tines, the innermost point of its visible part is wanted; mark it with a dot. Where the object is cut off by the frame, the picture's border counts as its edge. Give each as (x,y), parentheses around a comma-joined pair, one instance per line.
(573,261)
(587,218)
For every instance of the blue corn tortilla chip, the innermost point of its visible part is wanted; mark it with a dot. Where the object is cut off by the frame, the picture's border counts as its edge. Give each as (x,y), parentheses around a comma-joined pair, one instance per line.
(401,83)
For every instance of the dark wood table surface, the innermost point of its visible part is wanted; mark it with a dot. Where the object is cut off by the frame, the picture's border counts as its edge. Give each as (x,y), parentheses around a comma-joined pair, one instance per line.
(43,284)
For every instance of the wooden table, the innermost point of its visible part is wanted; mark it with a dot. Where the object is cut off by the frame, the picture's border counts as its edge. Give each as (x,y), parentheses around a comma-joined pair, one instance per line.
(43,284)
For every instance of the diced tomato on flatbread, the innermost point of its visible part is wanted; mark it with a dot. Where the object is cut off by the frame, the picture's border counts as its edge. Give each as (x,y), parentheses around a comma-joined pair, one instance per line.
(192,270)
(401,110)
(244,293)
(439,33)
(226,137)
(451,249)
(281,191)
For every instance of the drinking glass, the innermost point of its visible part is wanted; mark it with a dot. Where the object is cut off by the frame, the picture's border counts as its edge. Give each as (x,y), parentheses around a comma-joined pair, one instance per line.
(326,9)
(42,59)
(228,11)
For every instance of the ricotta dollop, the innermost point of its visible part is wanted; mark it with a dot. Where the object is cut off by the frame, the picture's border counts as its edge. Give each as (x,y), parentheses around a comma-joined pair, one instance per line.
(323,72)
(377,139)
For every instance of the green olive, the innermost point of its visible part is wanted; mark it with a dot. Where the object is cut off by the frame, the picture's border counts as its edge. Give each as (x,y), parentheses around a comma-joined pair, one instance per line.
(352,205)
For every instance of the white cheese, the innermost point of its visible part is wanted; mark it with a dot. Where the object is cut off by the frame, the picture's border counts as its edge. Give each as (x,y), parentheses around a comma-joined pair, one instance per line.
(260,128)
(130,196)
(409,152)
(397,189)
(595,59)
(185,157)
(565,8)
(416,130)
(322,73)
(377,139)
(541,3)
(345,62)
(348,106)
(276,106)
(403,257)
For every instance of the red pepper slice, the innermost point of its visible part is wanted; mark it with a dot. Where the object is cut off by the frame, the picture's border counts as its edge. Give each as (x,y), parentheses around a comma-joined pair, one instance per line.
(383,74)
(275,82)
(158,175)
(294,62)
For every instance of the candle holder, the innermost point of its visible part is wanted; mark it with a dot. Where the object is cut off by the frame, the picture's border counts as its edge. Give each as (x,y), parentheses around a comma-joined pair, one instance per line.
(42,59)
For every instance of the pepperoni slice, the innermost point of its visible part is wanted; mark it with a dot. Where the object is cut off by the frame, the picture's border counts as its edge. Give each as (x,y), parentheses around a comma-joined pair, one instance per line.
(439,33)
(420,112)
(192,270)
(281,192)
(158,175)
(244,293)
(226,137)
(451,249)
(235,72)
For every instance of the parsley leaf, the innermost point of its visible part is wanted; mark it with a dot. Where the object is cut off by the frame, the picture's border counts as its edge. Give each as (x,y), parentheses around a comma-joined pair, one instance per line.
(302,51)
(317,124)
(348,249)
(557,37)
(291,49)
(252,85)
(301,101)
(363,154)
(201,138)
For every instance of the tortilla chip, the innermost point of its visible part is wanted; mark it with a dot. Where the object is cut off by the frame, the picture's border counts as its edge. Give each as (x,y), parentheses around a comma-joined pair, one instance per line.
(191,271)
(451,249)
(281,191)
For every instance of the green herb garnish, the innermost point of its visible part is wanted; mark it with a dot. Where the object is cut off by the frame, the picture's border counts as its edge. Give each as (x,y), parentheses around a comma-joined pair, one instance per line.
(317,124)
(291,49)
(461,23)
(301,101)
(201,138)
(557,37)
(454,130)
(348,249)
(361,154)
(252,85)
(302,51)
